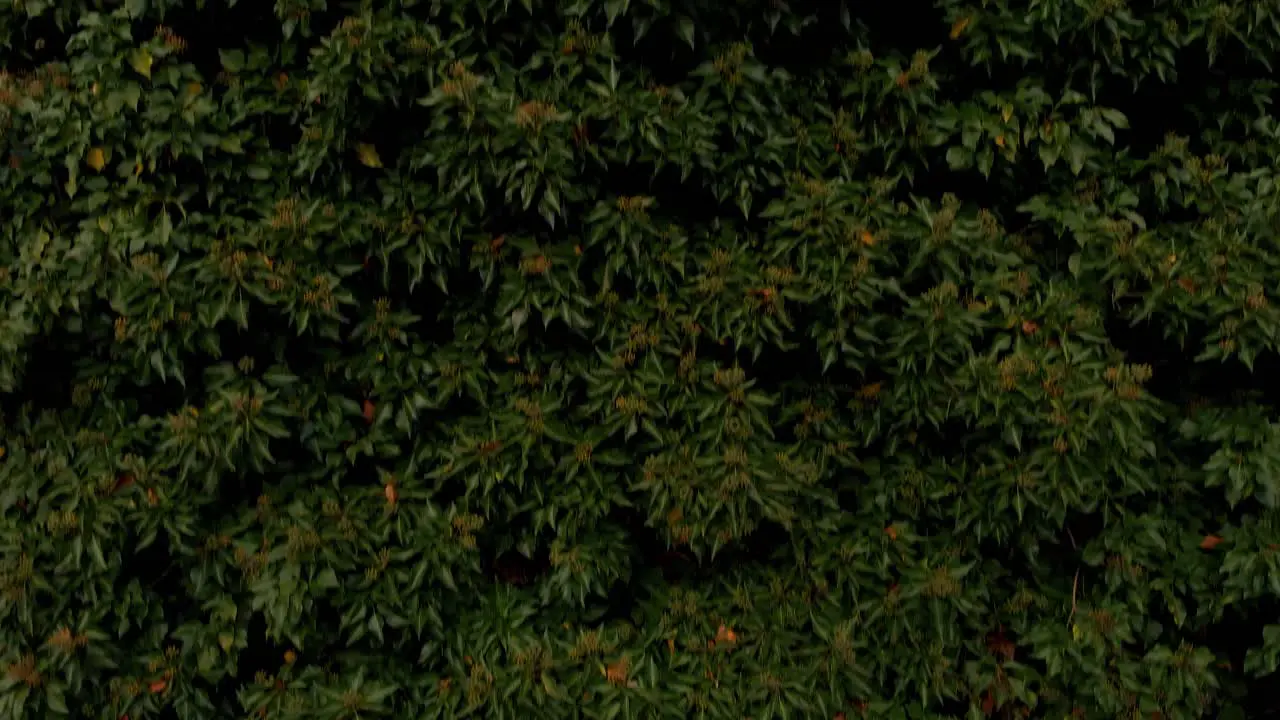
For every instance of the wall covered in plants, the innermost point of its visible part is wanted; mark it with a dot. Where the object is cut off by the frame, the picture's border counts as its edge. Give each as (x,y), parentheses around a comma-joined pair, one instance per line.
(639,358)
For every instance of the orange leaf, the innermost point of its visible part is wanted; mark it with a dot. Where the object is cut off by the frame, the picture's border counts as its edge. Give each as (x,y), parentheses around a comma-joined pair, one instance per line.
(958,27)
(368,411)
(1210,542)
(158,686)
(892,532)
(96,159)
(391,493)
(1029,328)
(1001,646)
(616,673)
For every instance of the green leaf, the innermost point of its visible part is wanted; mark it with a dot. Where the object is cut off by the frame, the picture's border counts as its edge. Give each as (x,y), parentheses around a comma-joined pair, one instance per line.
(232,60)
(1114,117)
(56,701)
(959,157)
(1049,155)
(1076,152)
(685,29)
(140,60)
(326,579)
(615,8)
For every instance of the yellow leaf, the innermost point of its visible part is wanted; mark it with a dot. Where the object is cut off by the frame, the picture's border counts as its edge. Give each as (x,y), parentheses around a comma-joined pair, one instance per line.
(141,61)
(368,155)
(96,159)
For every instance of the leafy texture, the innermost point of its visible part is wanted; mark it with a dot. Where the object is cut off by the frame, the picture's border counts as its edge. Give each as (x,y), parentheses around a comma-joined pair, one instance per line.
(638,358)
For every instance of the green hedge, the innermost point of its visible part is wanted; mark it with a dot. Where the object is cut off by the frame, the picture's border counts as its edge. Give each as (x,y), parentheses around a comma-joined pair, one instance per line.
(639,358)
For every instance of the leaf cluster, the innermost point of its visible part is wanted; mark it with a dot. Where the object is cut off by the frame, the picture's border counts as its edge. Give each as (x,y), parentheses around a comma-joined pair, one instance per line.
(638,358)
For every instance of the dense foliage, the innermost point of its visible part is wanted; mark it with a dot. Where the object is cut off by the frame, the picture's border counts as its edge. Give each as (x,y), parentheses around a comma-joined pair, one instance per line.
(639,358)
